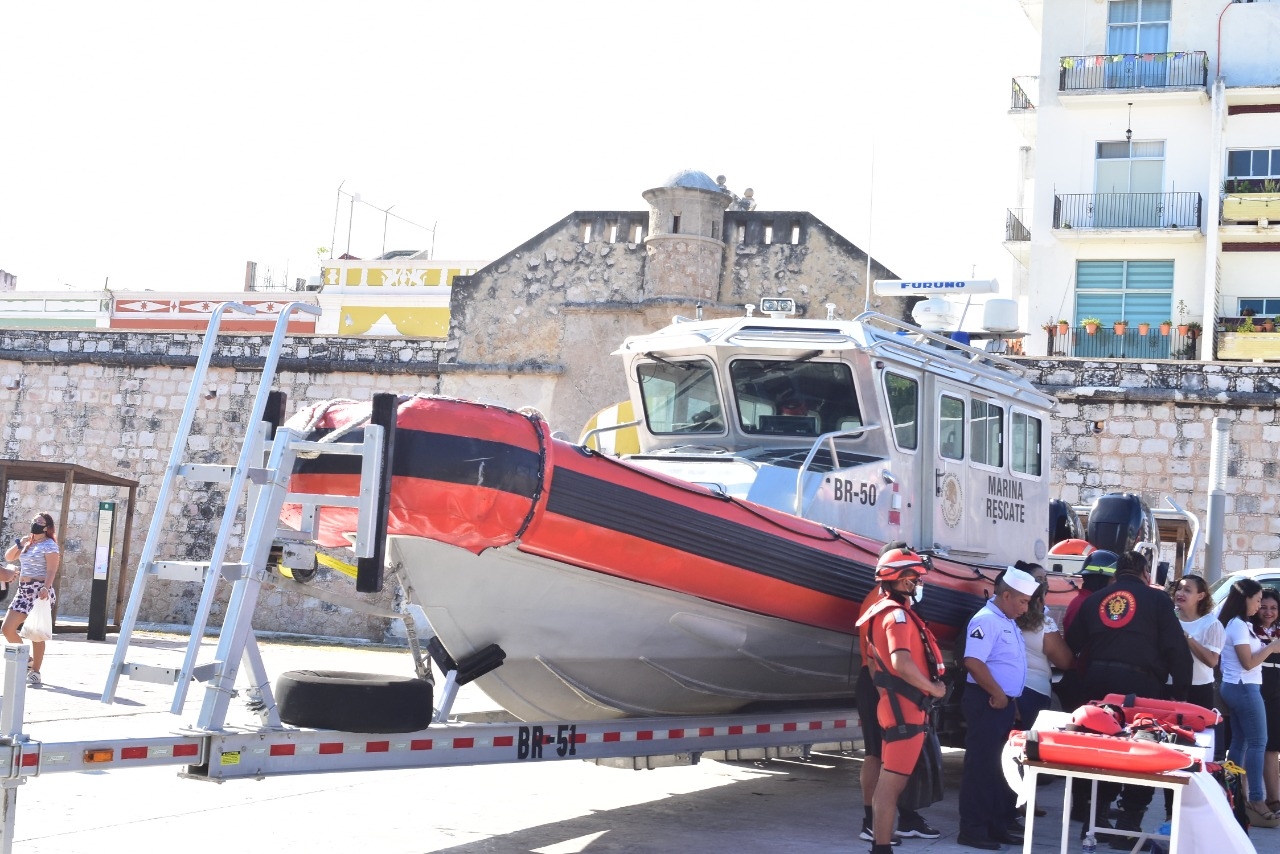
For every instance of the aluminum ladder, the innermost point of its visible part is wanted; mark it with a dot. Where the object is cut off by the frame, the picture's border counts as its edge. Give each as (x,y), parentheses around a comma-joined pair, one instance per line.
(246,477)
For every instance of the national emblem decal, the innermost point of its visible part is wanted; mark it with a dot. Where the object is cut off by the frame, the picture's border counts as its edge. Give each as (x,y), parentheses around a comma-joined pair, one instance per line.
(952,495)
(1117,609)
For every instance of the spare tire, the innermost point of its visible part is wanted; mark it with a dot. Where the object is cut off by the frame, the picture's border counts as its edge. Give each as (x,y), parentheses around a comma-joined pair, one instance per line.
(353,702)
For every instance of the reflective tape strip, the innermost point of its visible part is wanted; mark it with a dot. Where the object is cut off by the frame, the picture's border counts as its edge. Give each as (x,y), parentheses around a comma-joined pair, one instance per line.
(464,743)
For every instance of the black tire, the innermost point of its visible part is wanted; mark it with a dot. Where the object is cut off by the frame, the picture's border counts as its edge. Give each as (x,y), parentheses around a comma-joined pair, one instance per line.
(353,702)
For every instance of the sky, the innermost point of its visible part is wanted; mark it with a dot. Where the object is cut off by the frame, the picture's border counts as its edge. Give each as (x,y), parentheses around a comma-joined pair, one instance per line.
(160,146)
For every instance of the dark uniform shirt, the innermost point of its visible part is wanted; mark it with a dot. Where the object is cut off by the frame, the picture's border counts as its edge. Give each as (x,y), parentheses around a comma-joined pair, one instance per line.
(1132,624)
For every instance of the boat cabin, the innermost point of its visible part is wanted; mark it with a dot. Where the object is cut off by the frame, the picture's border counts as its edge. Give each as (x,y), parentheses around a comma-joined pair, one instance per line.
(871,425)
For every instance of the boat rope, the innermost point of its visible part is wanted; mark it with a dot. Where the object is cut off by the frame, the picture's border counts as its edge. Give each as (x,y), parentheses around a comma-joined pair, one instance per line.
(535,419)
(322,409)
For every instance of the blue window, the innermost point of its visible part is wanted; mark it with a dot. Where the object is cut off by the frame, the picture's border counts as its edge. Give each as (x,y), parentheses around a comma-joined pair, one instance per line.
(1135,291)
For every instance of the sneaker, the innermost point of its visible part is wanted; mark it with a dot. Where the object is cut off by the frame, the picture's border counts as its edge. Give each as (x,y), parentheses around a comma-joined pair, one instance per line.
(871,837)
(915,825)
(33,679)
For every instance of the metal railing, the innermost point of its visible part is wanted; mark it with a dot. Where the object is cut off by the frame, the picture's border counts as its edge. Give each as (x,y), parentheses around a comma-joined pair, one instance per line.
(1127,210)
(1014,230)
(1019,99)
(1174,69)
(1106,343)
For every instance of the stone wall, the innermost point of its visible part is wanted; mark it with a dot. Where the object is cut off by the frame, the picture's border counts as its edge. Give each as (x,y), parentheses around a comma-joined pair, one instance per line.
(1146,427)
(112,402)
(548,313)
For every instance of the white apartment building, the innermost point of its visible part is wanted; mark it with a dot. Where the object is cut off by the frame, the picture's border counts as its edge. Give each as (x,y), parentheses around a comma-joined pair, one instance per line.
(1150,183)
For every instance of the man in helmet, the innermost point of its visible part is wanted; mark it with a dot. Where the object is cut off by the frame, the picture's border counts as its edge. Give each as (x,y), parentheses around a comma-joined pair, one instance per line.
(995,656)
(906,666)
(1131,642)
(910,821)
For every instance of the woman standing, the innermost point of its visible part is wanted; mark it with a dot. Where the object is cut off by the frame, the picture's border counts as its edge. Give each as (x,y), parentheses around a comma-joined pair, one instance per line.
(1242,659)
(1267,625)
(1205,635)
(1045,647)
(38,555)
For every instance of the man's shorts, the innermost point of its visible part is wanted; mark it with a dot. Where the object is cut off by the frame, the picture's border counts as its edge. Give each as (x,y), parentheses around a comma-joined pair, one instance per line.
(899,756)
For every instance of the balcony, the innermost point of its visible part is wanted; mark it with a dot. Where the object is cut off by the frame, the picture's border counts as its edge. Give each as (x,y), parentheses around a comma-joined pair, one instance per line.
(1178,342)
(1171,217)
(1173,76)
(1017,237)
(1019,99)
(1247,339)
(1022,109)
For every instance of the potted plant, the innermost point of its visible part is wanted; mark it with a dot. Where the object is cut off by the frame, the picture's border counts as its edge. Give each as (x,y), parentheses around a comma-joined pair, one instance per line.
(1064,327)
(1144,328)
(1120,326)
(1182,318)
(1165,326)
(1091,325)
(1246,326)
(1268,324)
(1193,329)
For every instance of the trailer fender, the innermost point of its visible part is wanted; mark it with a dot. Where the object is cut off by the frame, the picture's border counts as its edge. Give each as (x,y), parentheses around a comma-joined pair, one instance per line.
(353,702)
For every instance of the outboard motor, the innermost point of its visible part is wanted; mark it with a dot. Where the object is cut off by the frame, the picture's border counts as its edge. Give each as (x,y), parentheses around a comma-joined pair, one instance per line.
(1119,521)
(1064,524)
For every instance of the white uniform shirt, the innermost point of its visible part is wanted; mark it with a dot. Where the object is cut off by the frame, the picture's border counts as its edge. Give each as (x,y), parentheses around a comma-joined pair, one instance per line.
(996,640)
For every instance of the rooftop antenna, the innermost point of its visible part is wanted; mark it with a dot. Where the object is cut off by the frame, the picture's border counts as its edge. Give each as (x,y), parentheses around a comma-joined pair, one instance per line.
(871,200)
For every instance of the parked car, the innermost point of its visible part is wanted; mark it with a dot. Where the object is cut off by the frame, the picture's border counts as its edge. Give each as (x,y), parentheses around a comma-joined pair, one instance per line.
(1267,577)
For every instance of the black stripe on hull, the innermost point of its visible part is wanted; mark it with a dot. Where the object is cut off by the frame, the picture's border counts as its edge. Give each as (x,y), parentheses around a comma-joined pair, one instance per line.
(677,526)
(442,457)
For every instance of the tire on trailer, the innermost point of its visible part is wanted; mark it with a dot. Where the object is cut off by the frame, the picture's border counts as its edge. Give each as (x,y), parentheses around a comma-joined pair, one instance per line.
(353,702)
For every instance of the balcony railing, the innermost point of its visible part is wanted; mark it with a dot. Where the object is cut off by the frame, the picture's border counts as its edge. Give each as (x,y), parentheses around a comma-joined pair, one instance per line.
(1014,230)
(1182,69)
(1106,343)
(1019,99)
(1127,210)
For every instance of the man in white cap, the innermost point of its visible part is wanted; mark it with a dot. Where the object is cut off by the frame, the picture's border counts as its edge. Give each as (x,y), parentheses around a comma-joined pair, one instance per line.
(995,656)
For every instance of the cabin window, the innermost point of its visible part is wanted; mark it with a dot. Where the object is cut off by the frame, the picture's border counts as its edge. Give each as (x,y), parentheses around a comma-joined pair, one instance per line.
(1024,449)
(903,394)
(680,397)
(951,428)
(795,397)
(986,433)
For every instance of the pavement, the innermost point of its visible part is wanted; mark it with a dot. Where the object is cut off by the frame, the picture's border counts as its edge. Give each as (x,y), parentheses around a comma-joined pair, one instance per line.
(553,808)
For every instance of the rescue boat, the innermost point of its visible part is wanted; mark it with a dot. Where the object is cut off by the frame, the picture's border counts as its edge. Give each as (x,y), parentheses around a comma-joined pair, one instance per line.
(721,567)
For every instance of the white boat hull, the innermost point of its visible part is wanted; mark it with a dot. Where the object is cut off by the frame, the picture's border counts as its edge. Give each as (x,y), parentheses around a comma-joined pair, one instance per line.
(583,645)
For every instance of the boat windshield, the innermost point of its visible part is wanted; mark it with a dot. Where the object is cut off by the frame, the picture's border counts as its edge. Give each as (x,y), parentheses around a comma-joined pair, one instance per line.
(680,397)
(794,398)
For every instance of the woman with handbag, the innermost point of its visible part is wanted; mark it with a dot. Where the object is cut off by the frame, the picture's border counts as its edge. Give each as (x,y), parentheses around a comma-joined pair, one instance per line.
(38,556)
(1242,658)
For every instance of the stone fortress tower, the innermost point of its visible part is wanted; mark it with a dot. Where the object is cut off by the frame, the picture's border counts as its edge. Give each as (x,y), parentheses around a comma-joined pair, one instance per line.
(685,245)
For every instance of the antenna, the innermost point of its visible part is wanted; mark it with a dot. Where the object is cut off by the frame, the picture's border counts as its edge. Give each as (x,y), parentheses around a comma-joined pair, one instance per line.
(871,206)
